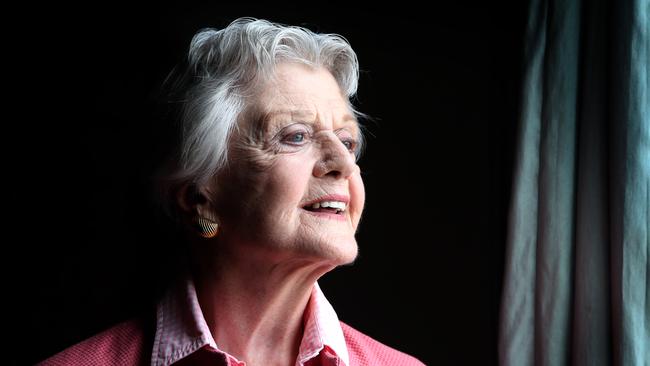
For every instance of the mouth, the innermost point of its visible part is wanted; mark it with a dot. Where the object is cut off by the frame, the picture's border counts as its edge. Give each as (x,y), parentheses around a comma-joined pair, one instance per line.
(334,206)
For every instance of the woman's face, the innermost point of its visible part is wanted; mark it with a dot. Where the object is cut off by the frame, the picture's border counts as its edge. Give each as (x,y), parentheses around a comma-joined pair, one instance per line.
(292,156)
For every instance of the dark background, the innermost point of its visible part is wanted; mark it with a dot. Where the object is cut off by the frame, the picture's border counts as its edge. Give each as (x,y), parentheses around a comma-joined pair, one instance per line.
(85,251)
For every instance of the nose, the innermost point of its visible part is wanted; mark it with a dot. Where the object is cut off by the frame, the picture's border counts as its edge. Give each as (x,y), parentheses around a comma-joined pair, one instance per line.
(335,160)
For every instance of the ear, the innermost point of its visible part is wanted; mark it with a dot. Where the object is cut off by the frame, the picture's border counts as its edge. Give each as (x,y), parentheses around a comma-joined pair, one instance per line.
(194,201)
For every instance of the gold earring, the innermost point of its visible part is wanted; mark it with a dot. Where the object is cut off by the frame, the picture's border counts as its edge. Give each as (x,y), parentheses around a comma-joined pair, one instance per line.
(206,228)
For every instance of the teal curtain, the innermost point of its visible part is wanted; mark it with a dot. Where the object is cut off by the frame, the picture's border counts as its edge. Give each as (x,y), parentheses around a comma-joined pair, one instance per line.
(577,270)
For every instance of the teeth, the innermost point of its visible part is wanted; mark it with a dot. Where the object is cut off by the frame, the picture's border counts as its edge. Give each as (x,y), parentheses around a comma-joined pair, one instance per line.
(332,204)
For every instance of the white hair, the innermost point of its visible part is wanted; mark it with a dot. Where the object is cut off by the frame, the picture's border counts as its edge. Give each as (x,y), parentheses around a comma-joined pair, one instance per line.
(212,88)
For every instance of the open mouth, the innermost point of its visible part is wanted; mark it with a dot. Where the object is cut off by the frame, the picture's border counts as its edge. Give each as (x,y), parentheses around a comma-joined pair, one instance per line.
(327,207)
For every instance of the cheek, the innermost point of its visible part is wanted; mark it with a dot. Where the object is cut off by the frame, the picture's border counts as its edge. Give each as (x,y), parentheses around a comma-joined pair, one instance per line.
(268,179)
(286,183)
(358,197)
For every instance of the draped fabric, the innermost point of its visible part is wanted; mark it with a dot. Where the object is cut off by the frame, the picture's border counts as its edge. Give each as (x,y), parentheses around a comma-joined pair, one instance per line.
(577,275)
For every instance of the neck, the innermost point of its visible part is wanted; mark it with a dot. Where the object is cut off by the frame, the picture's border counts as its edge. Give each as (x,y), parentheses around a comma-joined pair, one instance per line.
(255,308)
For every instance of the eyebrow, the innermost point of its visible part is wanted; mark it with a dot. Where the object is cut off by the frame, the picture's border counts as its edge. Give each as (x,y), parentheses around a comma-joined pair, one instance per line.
(269,117)
(272,115)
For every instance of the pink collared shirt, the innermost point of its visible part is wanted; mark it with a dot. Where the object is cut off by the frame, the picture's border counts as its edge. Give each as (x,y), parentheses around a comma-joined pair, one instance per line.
(180,336)
(182,330)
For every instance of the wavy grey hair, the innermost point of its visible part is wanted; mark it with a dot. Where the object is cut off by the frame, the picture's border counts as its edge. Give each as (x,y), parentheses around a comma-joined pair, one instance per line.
(212,88)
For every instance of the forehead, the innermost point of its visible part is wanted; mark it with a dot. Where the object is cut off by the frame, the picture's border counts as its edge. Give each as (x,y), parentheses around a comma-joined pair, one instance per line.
(301,87)
(302,93)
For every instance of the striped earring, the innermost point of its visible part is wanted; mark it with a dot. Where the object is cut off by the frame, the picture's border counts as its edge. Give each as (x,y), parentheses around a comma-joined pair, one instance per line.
(206,228)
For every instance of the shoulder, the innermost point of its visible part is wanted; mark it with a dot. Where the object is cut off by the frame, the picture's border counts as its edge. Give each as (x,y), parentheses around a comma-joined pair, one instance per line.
(367,351)
(122,344)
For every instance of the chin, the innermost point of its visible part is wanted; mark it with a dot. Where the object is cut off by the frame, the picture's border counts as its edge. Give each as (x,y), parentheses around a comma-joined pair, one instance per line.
(332,252)
(343,253)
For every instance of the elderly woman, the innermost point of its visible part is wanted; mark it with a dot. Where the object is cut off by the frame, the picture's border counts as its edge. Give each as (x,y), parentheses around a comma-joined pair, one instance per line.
(265,179)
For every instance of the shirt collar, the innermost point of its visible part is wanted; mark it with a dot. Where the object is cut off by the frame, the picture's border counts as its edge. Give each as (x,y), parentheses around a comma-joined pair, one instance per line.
(181,328)
(322,328)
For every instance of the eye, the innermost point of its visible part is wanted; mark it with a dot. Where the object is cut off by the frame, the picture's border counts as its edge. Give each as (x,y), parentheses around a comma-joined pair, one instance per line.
(348,140)
(296,137)
(350,144)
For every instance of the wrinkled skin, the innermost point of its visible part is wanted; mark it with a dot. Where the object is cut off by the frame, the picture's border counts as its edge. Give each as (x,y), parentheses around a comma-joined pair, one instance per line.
(278,162)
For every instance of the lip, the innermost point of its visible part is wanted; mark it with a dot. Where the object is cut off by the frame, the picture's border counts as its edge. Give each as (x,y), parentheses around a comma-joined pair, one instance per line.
(327,215)
(330,197)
